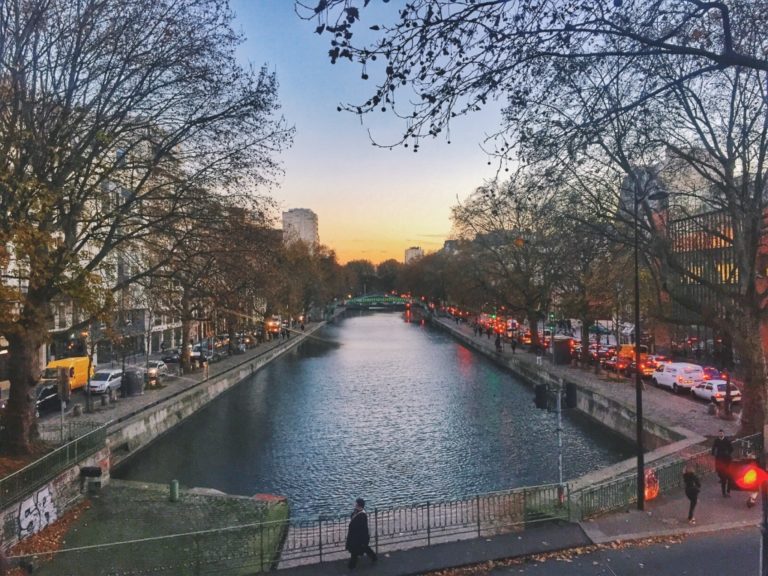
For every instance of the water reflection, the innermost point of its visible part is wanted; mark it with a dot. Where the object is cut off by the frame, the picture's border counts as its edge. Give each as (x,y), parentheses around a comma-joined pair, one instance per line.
(394,411)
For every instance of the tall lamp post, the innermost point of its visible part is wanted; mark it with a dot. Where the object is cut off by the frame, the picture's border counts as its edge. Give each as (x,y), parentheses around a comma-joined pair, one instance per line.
(659,195)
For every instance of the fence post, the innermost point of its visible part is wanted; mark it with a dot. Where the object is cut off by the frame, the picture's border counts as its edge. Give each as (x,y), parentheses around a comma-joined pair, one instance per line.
(376,528)
(261,545)
(320,536)
(477,499)
(429,532)
(198,559)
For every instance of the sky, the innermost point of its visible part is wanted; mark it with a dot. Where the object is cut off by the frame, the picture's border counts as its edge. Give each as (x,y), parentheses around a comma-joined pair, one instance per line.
(372,203)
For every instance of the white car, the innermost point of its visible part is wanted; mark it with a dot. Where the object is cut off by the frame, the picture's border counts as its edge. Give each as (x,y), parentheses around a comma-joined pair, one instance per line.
(678,376)
(715,390)
(157,370)
(105,380)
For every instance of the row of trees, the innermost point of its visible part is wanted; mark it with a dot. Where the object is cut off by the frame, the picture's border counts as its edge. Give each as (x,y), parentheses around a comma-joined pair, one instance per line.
(606,106)
(131,147)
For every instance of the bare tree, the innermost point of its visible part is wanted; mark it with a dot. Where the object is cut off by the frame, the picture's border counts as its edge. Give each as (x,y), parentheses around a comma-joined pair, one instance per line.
(517,247)
(435,59)
(114,117)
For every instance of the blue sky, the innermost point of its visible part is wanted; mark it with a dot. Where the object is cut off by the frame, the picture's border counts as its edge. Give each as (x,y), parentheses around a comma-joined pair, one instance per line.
(371,203)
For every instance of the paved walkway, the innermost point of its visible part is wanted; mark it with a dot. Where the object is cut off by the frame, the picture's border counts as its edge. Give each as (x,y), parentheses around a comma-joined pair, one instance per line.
(171,385)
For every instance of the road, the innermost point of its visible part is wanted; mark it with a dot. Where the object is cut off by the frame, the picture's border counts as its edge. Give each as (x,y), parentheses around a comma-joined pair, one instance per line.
(714,554)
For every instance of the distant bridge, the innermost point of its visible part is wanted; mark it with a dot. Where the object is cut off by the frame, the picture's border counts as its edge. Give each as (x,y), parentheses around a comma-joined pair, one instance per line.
(378,301)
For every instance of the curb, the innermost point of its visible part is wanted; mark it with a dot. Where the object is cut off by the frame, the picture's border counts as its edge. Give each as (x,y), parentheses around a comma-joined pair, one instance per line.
(598,538)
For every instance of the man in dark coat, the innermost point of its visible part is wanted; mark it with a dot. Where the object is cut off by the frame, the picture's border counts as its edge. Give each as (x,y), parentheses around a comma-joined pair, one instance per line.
(358,536)
(722,449)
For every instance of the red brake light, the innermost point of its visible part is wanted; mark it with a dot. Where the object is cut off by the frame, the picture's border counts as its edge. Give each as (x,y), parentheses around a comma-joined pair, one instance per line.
(749,476)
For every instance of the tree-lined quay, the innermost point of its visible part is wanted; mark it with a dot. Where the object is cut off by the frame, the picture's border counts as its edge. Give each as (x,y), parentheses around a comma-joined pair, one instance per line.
(627,125)
(140,152)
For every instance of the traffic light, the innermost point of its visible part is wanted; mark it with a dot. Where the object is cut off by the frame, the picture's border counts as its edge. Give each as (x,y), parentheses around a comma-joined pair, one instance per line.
(541,396)
(748,475)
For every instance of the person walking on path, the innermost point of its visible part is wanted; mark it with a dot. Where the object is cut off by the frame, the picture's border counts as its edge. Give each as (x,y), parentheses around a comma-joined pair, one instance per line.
(358,536)
(692,489)
(514,345)
(498,343)
(722,450)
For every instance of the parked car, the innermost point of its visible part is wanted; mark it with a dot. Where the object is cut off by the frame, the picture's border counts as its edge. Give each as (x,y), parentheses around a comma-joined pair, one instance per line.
(616,364)
(712,373)
(157,370)
(47,398)
(678,376)
(105,380)
(171,356)
(656,360)
(646,369)
(715,390)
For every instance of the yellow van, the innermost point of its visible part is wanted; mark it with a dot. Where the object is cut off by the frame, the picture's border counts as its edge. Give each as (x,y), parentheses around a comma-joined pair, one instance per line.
(628,351)
(78,371)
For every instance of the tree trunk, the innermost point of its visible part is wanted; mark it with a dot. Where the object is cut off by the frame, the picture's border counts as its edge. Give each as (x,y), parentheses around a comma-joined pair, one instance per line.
(753,404)
(184,348)
(19,432)
(533,323)
(586,324)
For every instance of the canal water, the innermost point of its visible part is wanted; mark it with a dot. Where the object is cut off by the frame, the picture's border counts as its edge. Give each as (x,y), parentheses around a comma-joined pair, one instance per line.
(373,406)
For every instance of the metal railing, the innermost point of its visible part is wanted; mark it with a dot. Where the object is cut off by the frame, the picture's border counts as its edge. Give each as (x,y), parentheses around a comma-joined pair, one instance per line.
(24,481)
(429,523)
(620,492)
(71,430)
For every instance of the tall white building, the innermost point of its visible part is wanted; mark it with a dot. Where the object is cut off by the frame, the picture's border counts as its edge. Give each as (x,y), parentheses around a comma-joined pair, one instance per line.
(300,224)
(413,253)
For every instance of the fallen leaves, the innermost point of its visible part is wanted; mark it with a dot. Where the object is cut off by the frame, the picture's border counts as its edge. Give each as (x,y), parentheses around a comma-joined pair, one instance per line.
(567,555)
(49,539)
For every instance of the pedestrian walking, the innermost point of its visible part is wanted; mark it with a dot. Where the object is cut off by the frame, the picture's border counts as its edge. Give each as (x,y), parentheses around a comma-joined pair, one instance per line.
(514,345)
(488,331)
(692,489)
(722,450)
(498,342)
(358,536)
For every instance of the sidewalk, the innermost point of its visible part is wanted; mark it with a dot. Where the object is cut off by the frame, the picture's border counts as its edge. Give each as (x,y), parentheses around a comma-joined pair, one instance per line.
(170,385)
(670,410)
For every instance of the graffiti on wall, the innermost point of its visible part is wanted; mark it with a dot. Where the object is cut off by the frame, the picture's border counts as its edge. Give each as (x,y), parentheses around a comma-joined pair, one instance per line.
(36,512)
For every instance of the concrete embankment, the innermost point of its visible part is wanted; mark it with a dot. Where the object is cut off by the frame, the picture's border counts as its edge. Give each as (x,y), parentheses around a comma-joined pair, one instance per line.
(130,433)
(671,423)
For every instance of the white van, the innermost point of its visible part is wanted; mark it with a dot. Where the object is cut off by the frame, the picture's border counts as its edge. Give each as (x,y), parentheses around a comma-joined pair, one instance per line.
(678,376)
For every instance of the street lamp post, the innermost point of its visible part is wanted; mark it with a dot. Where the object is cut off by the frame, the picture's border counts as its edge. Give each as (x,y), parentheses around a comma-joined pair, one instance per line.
(638,377)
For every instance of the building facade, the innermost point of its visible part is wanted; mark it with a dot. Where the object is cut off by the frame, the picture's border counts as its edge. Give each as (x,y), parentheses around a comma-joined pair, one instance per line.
(413,253)
(301,224)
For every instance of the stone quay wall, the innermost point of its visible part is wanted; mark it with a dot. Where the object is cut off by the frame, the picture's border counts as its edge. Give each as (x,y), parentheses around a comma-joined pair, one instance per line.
(660,439)
(134,433)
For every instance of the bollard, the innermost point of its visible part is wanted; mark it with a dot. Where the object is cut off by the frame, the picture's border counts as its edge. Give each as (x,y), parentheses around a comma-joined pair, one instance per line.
(174,490)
